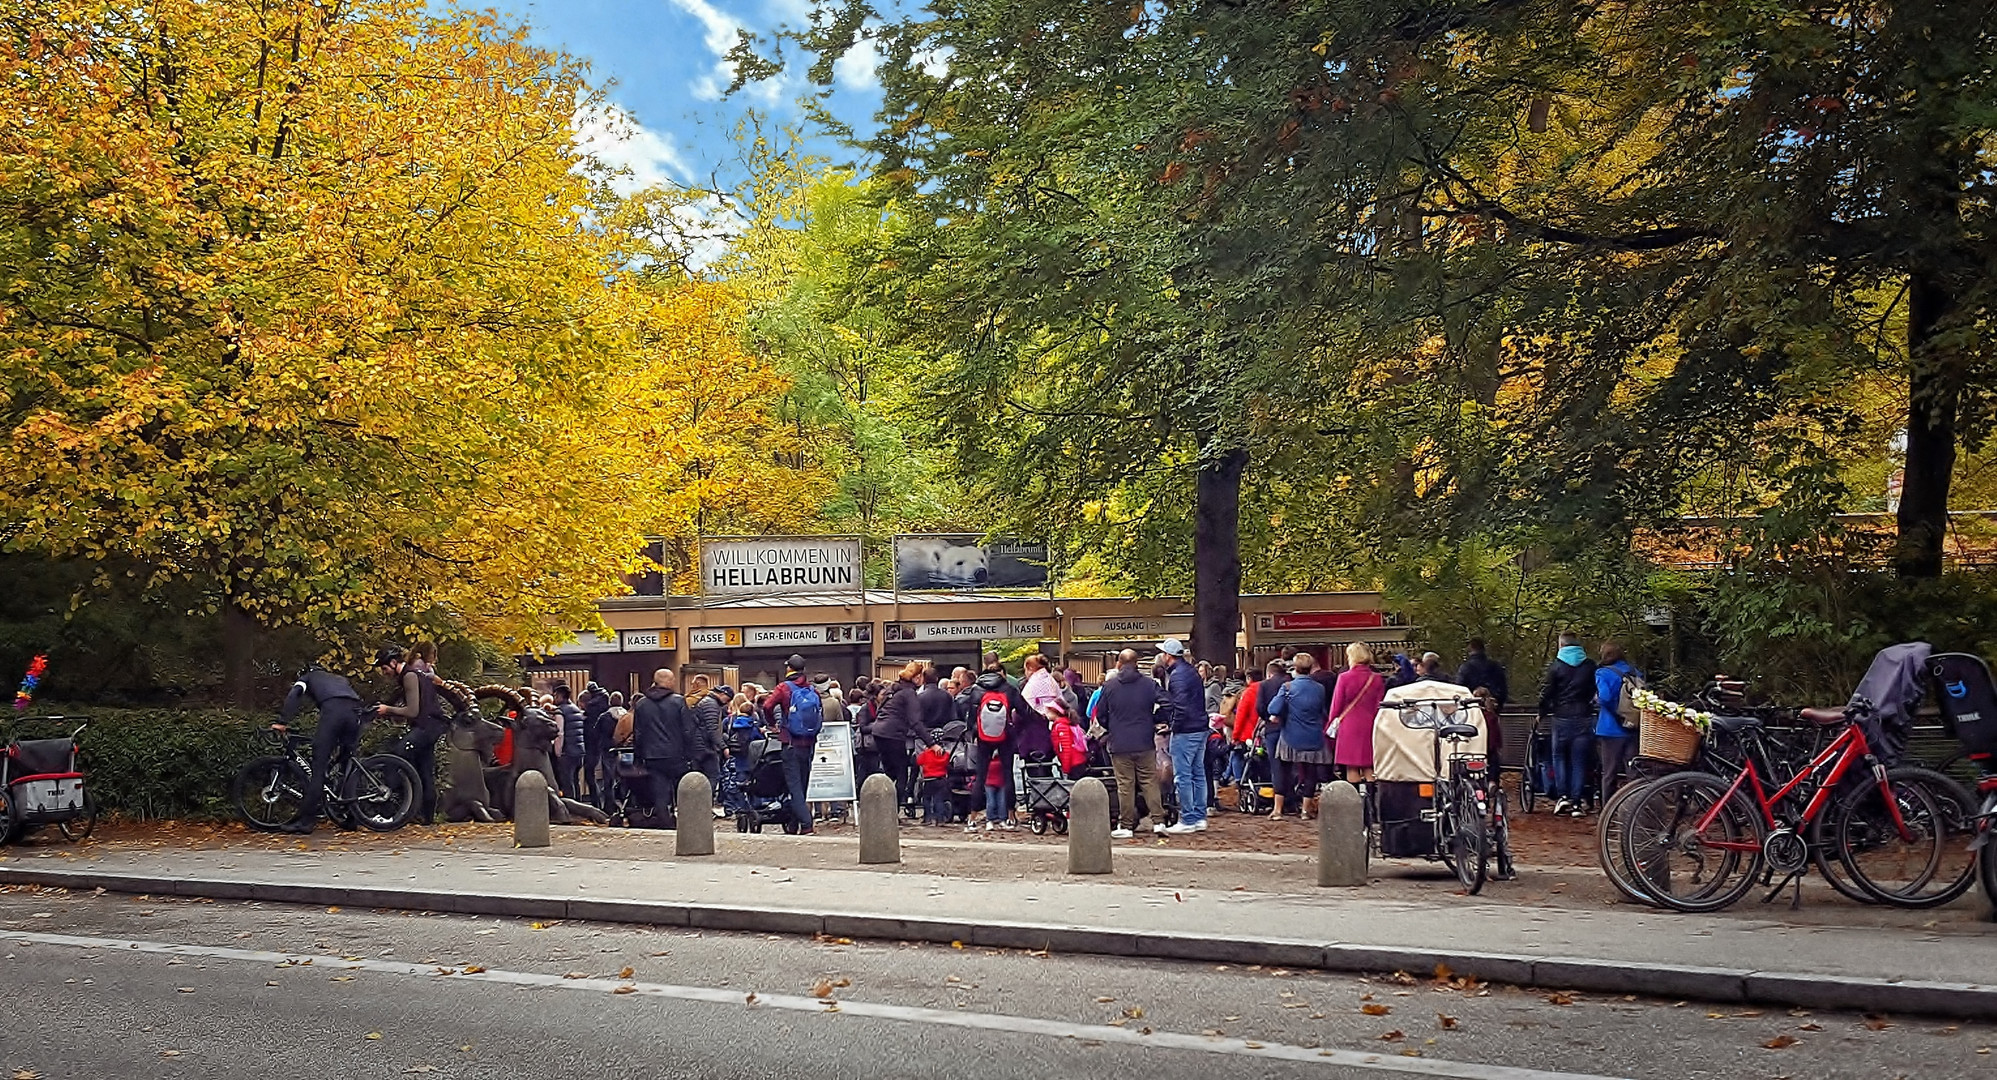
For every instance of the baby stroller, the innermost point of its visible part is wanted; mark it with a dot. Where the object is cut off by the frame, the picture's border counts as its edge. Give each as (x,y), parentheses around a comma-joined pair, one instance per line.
(630,790)
(1045,797)
(1255,788)
(967,791)
(41,785)
(767,798)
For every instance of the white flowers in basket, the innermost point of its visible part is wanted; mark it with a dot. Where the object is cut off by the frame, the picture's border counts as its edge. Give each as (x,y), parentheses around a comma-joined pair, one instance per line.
(1684,714)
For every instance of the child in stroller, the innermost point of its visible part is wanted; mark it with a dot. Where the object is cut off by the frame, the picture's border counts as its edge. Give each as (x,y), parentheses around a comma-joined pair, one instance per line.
(768,797)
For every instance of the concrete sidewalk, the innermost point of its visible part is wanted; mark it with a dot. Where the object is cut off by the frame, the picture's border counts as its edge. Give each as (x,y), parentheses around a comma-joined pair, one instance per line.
(1950,971)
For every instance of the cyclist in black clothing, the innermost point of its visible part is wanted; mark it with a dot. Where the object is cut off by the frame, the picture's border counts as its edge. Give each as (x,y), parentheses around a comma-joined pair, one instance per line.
(336,737)
(420,705)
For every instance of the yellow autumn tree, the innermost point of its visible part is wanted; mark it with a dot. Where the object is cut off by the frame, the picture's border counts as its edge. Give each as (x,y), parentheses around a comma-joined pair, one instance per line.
(307,302)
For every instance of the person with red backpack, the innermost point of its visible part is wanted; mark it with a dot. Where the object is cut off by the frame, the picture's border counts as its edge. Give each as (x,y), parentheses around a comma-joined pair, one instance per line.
(998,711)
(799,714)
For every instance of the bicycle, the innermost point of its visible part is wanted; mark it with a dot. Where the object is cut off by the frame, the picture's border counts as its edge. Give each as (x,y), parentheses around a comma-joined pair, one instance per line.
(376,792)
(1697,829)
(1467,809)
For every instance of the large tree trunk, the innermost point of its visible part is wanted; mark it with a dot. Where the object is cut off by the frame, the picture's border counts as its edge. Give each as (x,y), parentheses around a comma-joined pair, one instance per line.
(240,630)
(1217,557)
(1933,391)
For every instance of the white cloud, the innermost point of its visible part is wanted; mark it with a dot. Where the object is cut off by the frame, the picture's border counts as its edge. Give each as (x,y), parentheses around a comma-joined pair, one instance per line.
(642,157)
(859,69)
(720,31)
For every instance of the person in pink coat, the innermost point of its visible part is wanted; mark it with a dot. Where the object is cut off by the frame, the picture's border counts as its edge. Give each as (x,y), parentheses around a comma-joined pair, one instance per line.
(1355,699)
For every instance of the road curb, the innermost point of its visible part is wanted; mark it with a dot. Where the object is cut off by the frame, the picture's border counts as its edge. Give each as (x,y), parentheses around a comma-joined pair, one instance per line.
(1960,1000)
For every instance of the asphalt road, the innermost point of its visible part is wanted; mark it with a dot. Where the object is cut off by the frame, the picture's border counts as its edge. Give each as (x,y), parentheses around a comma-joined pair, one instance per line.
(121,987)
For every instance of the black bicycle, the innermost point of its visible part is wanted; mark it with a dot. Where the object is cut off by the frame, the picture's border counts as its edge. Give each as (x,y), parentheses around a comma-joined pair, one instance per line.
(376,792)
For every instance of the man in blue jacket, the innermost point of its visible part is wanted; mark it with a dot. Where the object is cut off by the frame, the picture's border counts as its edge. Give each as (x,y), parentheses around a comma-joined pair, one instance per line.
(1614,743)
(1185,708)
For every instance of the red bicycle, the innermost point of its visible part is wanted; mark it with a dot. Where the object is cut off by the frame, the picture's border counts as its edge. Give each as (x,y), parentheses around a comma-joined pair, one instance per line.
(1699,842)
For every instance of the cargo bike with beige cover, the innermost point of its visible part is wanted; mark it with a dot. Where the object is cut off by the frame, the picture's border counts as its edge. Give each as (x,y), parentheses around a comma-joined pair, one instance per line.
(1435,792)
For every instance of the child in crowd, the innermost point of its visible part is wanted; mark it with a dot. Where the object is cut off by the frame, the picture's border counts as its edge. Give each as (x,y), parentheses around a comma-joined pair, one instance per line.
(1071,743)
(935,765)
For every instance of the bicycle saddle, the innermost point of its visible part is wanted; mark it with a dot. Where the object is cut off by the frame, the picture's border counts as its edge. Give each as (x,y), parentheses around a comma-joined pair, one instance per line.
(1823,717)
(1454,732)
(1734,724)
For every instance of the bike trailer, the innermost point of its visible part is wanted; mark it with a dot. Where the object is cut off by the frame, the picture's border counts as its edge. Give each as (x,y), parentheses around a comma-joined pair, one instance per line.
(1968,701)
(40,783)
(1404,760)
(1404,729)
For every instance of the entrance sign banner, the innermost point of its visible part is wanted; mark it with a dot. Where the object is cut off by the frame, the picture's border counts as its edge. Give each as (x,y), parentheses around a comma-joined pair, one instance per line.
(780,566)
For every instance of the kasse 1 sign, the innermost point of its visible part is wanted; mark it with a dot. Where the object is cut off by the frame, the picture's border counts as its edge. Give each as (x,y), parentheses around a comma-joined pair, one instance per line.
(790,565)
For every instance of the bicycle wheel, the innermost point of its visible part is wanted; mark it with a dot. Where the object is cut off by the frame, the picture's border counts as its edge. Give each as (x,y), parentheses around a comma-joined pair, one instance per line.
(269,792)
(1527,795)
(1694,848)
(1900,866)
(1986,851)
(1609,829)
(1501,836)
(1956,822)
(1824,855)
(381,789)
(82,825)
(1468,842)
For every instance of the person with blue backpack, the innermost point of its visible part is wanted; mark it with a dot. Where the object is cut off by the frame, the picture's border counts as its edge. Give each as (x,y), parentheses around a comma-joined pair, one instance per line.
(800,715)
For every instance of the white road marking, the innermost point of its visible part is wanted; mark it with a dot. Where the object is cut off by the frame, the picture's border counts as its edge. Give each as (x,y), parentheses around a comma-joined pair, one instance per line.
(1019,1025)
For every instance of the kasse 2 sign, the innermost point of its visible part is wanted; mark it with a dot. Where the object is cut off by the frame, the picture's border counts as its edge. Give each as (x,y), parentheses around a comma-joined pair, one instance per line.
(790,565)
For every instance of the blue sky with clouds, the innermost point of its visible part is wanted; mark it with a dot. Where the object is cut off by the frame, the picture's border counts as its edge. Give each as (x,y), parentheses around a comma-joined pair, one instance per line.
(661,64)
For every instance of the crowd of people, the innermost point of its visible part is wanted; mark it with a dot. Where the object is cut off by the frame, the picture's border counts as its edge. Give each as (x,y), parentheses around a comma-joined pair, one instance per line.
(1172,736)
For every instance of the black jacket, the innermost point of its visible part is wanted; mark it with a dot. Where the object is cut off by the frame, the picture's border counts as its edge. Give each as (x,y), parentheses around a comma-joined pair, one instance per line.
(599,727)
(574,728)
(900,718)
(1480,670)
(1128,711)
(665,729)
(937,708)
(710,713)
(1569,693)
(319,687)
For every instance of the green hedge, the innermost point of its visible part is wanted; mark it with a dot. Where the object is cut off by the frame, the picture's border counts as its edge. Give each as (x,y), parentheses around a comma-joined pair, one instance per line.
(151,764)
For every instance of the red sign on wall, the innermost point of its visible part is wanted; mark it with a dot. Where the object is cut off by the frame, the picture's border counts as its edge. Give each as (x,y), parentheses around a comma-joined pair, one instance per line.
(1324,620)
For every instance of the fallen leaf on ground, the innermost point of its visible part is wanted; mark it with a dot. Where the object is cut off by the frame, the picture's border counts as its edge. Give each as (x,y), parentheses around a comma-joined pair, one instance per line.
(537,926)
(1876,1022)
(1365,997)
(628,972)
(1395,1035)
(1449,1022)
(1813,1025)
(27,1074)
(1560,997)
(170,1053)
(1230,1019)
(1135,1012)
(1403,978)
(575,975)
(373,1036)
(336,910)
(1258,1046)
(1780,1042)
(1376,1009)
(185,989)
(625,990)
(474,969)
(1442,972)
(1104,1001)
(751,999)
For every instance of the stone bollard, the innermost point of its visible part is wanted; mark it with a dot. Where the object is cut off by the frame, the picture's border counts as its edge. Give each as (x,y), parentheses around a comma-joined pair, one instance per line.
(880,821)
(693,820)
(1341,837)
(530,810)
(1088,827)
